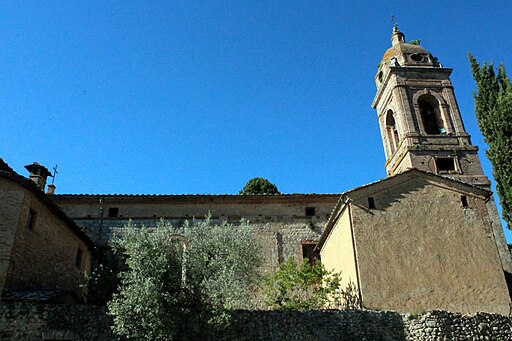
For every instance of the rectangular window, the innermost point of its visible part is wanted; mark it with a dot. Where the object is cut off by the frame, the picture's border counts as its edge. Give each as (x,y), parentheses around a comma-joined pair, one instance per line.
(78,259)
(445,164)
(31,219)
(309,253)
(371,202)
(464,201)
(113,211)
(310,211)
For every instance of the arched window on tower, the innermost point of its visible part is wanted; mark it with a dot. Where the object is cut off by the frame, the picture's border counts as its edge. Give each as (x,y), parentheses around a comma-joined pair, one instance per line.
(430,115)
(392,131)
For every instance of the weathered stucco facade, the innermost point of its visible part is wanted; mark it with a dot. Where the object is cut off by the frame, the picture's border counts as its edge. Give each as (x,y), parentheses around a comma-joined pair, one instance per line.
(417,241)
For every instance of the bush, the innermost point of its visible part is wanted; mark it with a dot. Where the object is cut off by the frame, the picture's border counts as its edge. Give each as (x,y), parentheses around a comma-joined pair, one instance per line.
(307,287)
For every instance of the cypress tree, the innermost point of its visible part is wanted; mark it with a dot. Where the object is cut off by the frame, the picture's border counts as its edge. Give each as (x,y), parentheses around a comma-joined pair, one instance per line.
(493,107)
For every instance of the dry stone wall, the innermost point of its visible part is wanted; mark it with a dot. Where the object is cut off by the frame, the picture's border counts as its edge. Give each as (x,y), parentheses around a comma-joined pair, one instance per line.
(29,321)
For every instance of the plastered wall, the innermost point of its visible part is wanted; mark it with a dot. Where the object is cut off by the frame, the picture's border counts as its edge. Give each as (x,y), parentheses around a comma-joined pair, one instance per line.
(338,253)
(421,249)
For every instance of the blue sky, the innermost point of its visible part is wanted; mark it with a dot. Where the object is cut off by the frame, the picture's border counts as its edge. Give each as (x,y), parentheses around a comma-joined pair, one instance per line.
(200,96)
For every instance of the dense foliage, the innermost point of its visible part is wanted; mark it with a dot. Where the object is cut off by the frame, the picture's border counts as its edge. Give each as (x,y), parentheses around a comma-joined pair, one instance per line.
(308,286)
(171,278)
(259,186)
(103,281)
(493,106)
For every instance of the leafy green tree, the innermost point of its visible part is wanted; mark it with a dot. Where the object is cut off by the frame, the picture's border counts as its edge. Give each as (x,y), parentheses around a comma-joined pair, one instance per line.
(259,186)
(223,265)
(307,287)
(152,302)
(493,106)
(196,273)
(103,281)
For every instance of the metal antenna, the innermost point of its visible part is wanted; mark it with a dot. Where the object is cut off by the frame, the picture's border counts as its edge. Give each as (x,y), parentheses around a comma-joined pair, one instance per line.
(54,173)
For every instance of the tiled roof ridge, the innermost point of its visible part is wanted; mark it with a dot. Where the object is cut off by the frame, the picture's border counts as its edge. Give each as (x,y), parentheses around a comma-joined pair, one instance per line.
(193,195)
(4,166)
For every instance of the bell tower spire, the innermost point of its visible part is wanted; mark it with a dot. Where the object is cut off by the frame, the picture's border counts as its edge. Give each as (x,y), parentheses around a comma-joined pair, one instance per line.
(419,117)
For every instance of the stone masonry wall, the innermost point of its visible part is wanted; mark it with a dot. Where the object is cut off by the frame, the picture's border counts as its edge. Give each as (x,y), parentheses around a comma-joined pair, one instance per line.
(11,198)
(283,222)
(44,257)
(23,321)
(41,256)
(279,240)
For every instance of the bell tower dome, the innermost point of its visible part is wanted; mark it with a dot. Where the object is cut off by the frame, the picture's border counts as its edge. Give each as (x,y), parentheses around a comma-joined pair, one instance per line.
(419,118)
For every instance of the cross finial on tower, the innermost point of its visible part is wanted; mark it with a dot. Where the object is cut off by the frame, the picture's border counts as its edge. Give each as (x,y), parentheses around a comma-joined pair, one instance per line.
(54,173)
(395,24)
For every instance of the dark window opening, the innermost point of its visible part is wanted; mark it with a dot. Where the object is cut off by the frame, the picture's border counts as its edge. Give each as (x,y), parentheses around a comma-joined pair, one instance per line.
(31,219)
(371,202)
(445,164)
(310,211)
(309,253)
(429,117)
(464,201)
(392,131)
(113,211)
(78,259)
(417,57)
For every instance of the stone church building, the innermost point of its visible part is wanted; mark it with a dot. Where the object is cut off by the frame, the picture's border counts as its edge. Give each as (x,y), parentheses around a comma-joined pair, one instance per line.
(426,237)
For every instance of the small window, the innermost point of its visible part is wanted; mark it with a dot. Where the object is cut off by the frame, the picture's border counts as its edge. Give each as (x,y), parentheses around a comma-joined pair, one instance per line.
(464,201)
(310,211)
(31,219)
(113,211)
(309,253)
(78,259)
(371,202)
(445,164)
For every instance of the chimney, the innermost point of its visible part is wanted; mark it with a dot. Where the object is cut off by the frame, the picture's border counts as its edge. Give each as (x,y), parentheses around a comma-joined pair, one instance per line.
(51,189)
(38,174)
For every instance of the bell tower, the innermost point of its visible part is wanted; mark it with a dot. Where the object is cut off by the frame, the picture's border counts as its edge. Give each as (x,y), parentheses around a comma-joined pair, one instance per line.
(419,118)
(421,125)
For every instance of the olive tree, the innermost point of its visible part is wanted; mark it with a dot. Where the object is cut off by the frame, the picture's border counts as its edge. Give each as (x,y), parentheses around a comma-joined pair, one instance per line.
(173,276)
